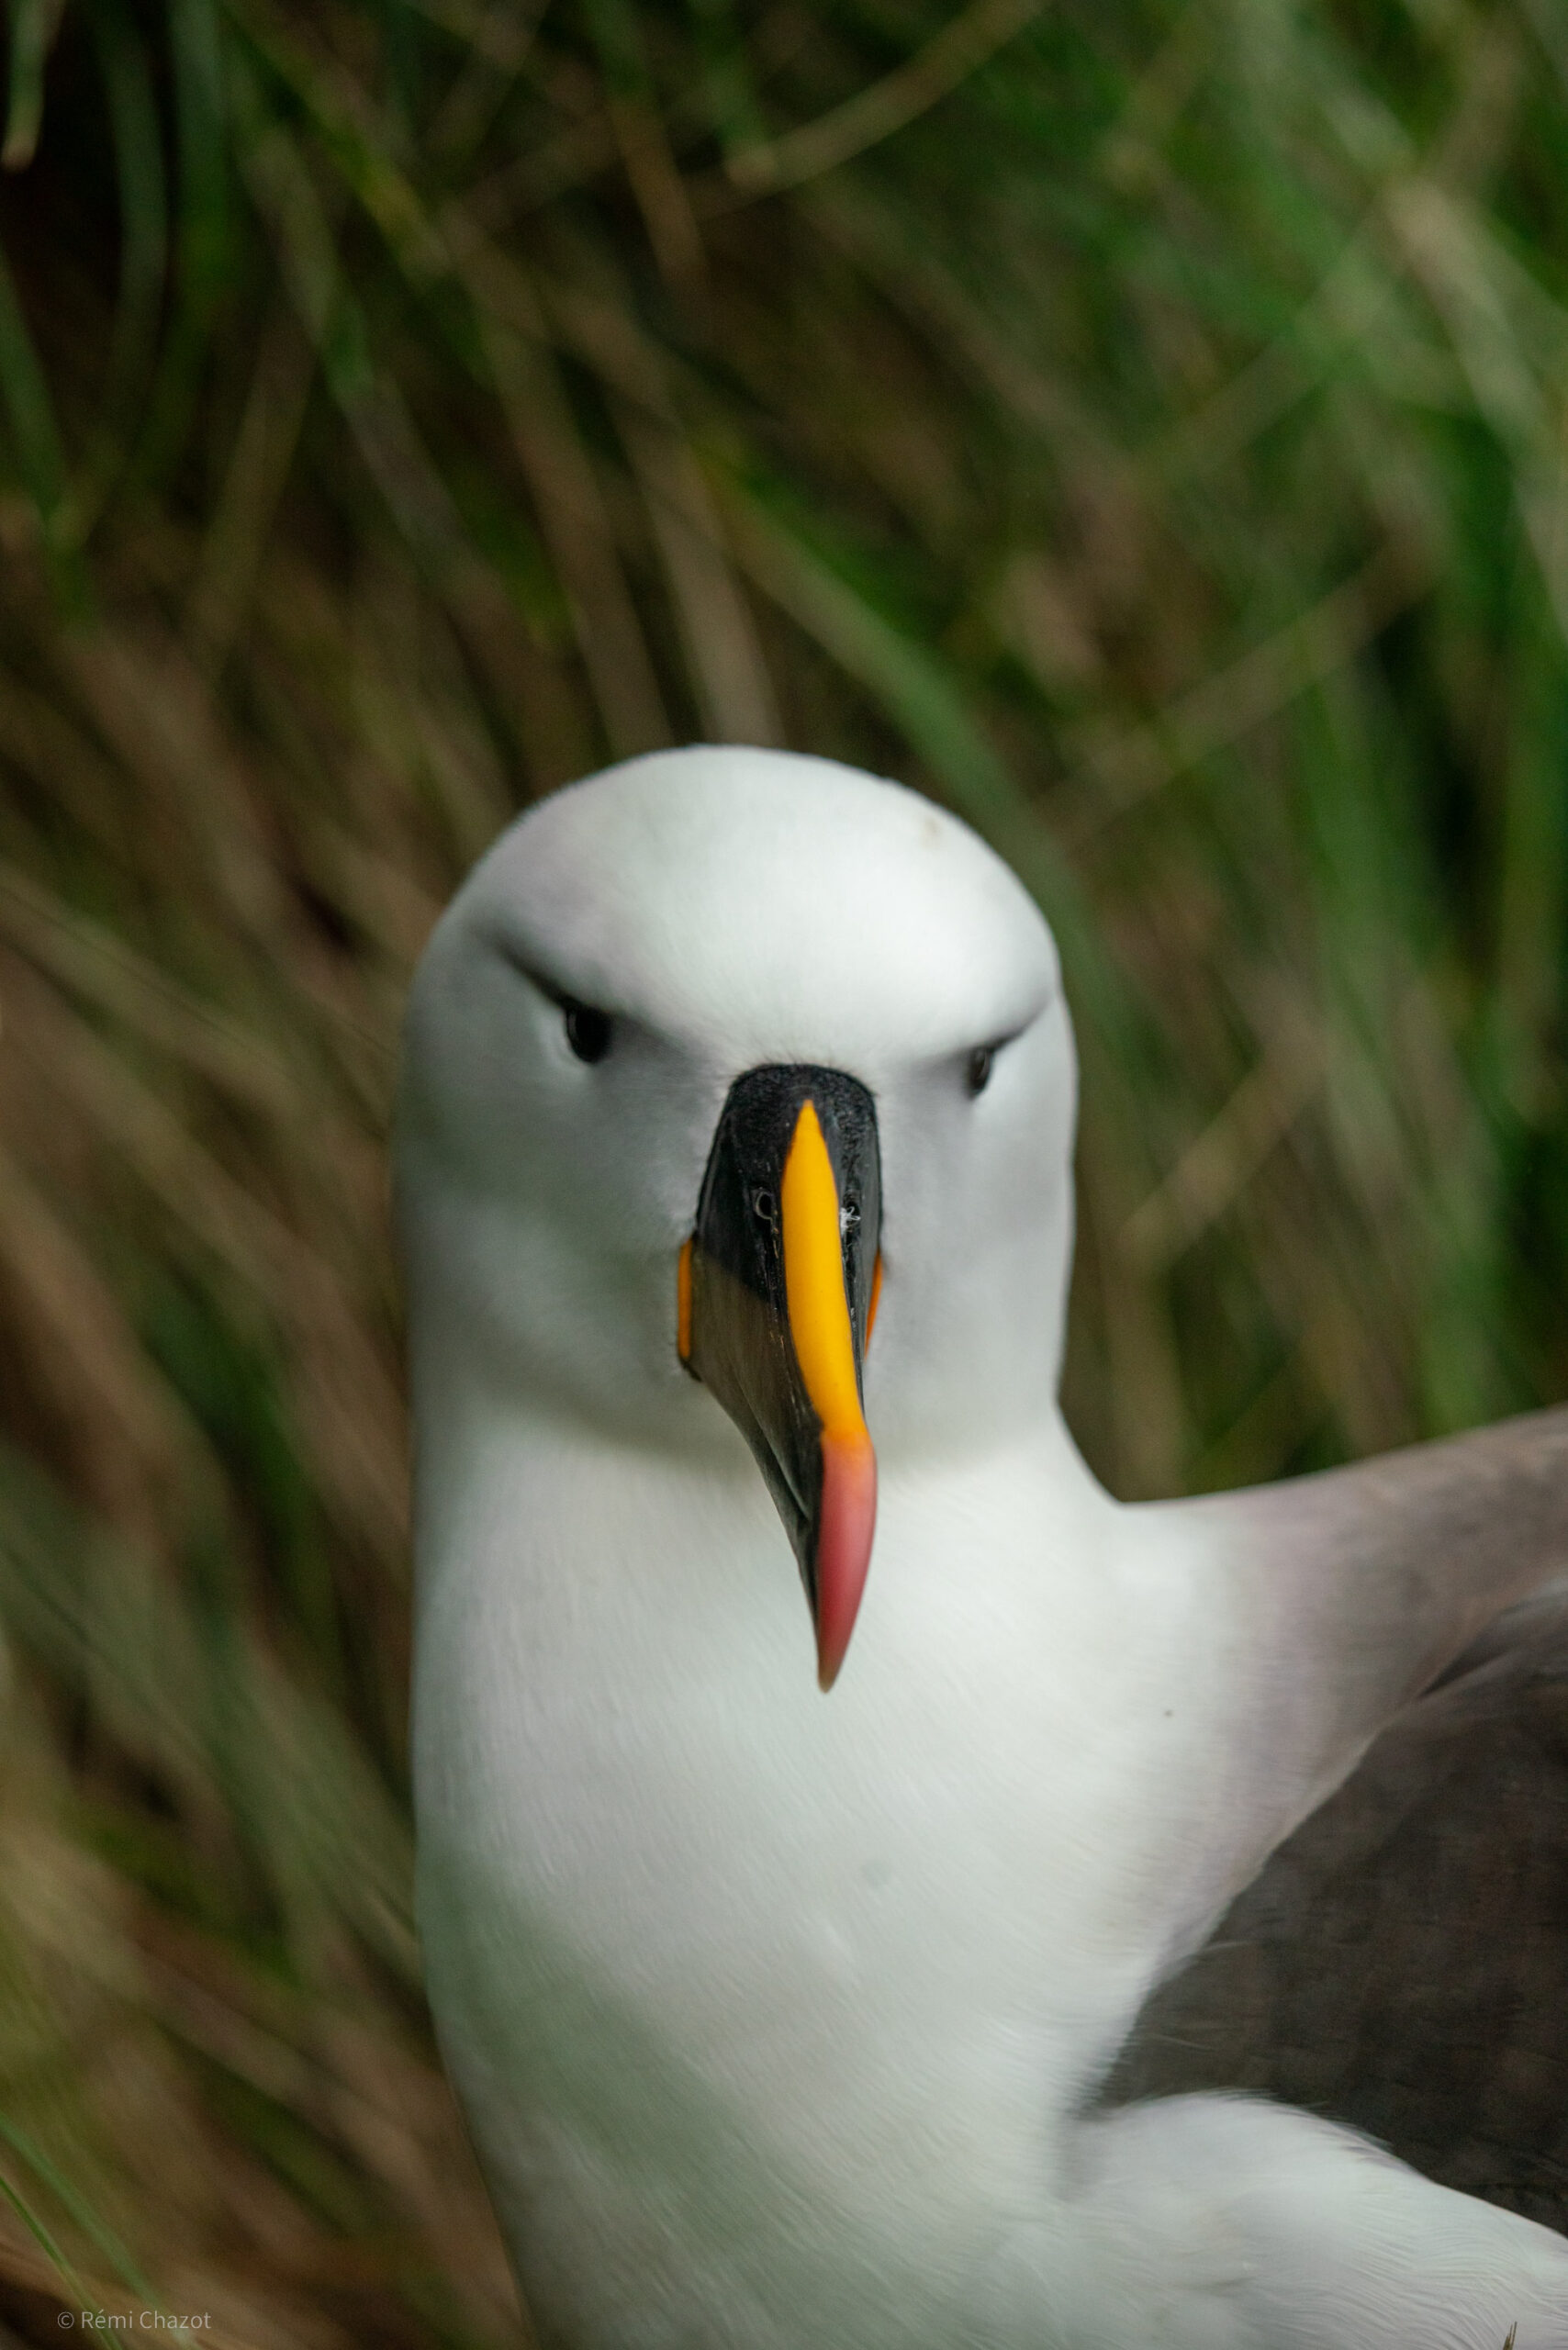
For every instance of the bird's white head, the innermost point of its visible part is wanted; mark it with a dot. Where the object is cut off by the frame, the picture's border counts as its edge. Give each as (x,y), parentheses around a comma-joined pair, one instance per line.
(718,1062)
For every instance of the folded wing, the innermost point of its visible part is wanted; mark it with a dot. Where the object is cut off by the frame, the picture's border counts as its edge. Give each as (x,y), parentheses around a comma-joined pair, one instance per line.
(1400,1964)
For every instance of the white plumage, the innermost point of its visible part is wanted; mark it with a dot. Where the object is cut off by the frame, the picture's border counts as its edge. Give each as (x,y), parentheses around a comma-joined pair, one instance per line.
(775,2014)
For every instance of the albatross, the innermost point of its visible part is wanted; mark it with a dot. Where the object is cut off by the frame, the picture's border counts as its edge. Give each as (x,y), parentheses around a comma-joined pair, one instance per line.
(816,1770)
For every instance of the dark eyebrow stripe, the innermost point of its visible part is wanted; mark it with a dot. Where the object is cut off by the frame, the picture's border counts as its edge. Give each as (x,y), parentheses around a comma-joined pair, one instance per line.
(1011,1036)
(551,990)
(547,987)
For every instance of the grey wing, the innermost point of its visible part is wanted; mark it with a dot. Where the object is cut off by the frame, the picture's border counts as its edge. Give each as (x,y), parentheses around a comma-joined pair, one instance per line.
(1363,1582)
(1401,1963)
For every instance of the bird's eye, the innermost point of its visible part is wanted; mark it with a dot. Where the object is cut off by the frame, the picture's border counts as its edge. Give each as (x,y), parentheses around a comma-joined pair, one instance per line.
(588,1032)
(982,1060)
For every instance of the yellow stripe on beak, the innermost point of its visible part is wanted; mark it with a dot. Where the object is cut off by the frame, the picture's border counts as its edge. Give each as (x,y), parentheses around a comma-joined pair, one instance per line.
(823,1340)
(813,1283)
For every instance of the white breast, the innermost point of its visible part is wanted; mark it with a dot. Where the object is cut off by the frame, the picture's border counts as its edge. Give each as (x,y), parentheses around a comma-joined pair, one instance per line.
(797,1969)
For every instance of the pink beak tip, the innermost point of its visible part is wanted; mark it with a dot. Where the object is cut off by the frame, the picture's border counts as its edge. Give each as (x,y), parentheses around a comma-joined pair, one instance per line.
(846,1525)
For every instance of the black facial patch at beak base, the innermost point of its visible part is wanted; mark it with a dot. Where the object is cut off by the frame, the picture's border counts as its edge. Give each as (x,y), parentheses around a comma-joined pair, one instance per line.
(743,1284)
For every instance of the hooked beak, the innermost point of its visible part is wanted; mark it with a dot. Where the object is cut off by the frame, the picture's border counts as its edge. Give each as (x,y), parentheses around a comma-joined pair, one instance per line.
(777,1295)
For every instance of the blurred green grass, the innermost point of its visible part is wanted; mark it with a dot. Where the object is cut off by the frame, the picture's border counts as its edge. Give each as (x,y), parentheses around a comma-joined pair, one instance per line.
(1142,426)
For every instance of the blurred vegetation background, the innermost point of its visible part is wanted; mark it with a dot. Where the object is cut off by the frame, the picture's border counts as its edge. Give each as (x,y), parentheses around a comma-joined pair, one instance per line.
(1140,425)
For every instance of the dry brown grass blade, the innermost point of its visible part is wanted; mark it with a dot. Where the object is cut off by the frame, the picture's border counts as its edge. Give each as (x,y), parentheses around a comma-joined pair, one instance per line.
(576,526)
(30,2279)
(1128,764)
(92,963)
(976,33)
(734,692)
(1209,1176)
(133,1453)
(660,191)
(389,2106)
(264,449)
(499,50)
(152,707)
(48,744)
(350,1412)
(577,153)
